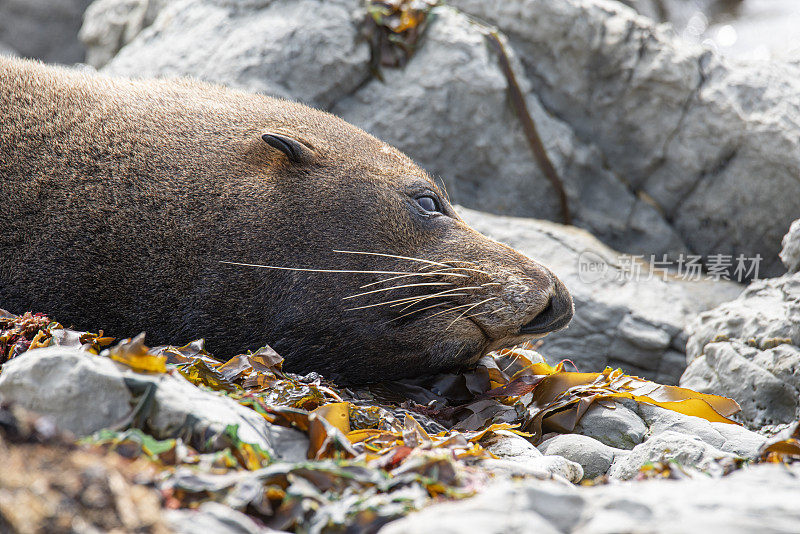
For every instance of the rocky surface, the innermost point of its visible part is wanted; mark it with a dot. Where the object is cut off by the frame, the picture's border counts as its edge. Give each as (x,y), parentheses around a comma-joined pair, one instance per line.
(214,518)
(743,30)
(655,139)
(790,254)
(593,456)
(758,499)
(304,50)
(111,24)
(614,441)
(630,322)
(749,349)
(465,132)
(6,50)
(685,129)
(679,13)
(61,383)
(618,438)
(43,29)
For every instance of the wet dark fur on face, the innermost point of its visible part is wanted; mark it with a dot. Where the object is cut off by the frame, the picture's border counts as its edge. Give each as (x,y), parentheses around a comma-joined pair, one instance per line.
(121,198)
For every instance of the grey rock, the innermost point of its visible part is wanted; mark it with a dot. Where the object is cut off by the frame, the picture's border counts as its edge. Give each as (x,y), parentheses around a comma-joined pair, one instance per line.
(724,436)
(465,130)
(43,29)
(509,446)
(495,510)
(679,13)
(302,49)
(685,128)
(6,50)
(550,467)
(688,451)
(748,349)
(620,427)
(790,254)
(593,456)
(759,499)
(765,314)
(84,393)
(671,365)
(216,518)
(765,383)
(180,406)
(108,25)
(635,324)
(81,392)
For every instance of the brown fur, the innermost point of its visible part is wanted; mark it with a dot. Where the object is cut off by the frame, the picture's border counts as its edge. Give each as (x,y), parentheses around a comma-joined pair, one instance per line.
(120,198)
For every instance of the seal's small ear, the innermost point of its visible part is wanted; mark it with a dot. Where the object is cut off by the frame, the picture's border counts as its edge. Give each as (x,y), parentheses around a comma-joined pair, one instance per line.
(296,151)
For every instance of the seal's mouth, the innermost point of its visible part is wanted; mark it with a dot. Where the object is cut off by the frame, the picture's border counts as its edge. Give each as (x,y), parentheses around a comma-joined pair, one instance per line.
(555,316)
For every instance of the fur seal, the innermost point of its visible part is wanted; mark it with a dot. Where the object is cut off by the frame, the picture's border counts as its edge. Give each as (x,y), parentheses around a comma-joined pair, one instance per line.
(186,209)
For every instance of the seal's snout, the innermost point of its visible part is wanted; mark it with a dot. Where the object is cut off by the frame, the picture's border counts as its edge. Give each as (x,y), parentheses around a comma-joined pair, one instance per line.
(556,314)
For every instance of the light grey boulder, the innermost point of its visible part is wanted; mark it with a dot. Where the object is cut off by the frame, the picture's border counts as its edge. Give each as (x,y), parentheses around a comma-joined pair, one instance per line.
(618,426)
(790,254)
(84,393)
(6,50)
(635,324)
(519,457)
(680,13)
(748,349)
(649,430)
(499,509)
(550,467)
(759,499)
(108,25)
(594,457)
(301,49)
(765,383)
(724,436)
(43,29)
(509,446)
(766,314)
(449,110)
(687,451)
(214,518)
(182,409)
(686,129)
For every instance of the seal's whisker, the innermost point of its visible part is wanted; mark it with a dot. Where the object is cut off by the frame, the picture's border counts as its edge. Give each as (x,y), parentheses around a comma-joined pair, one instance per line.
(414,311)
(467,311)
(430,262)
(419,299)
(403,301)
(425,297)
(467,269)
(470,304)
(453,264)
(397,287)
(412,274)
(482,313)
(305,269)
(491,284)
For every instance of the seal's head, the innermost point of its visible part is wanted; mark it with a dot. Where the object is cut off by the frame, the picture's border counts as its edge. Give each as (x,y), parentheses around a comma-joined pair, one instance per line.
(386,280)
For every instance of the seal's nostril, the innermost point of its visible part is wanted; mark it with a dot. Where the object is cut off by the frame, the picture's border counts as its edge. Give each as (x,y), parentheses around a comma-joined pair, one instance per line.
(555,316)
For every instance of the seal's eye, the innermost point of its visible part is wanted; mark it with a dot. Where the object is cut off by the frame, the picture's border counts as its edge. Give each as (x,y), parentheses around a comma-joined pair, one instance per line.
(429,204)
